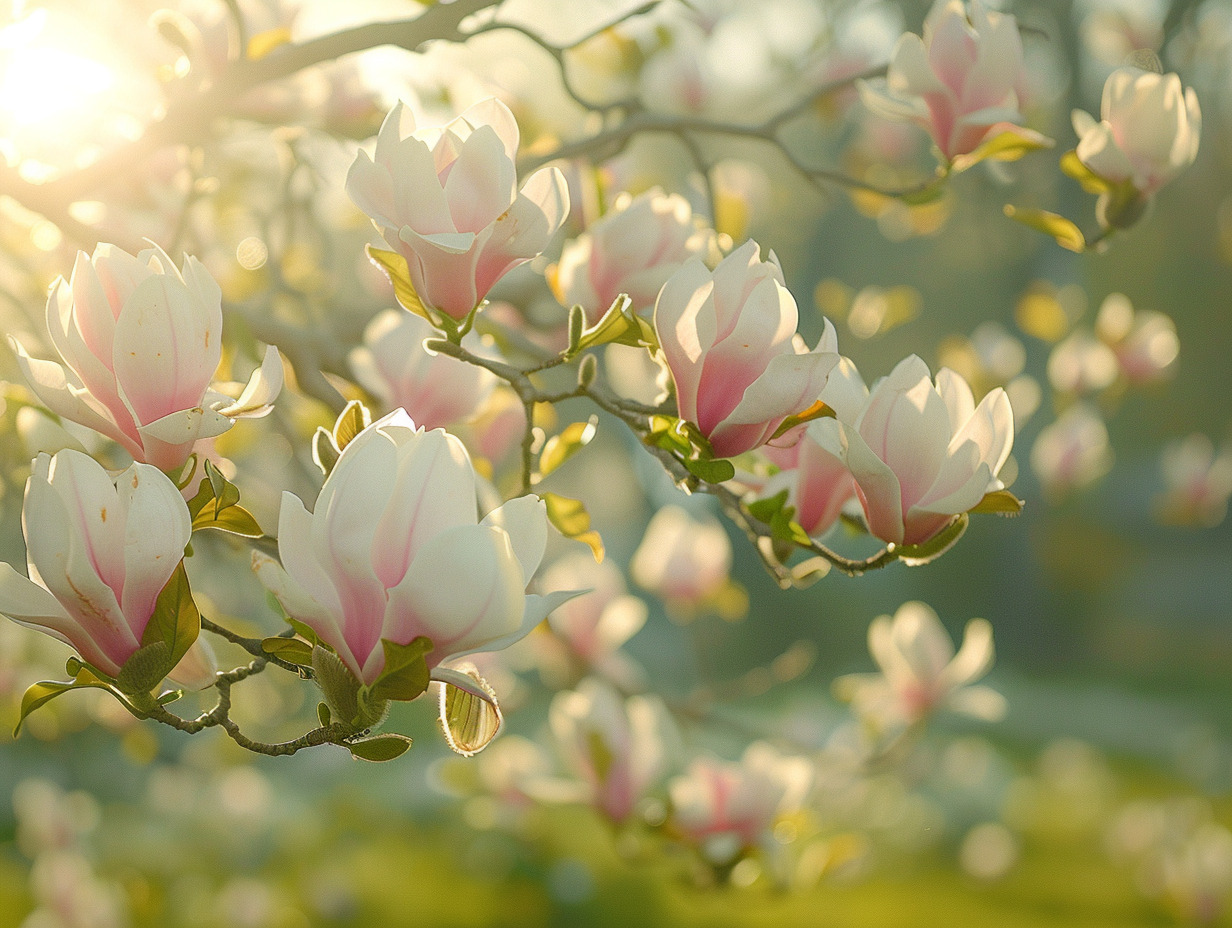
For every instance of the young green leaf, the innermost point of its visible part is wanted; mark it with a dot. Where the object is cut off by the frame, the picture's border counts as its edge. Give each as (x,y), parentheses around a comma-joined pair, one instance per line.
(559,448)
(470,714)
(175,620)
(379,748)
(929,551)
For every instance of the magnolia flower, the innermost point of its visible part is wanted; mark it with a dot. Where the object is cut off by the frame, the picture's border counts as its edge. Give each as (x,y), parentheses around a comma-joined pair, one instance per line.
(961,82)
(1144,342)
(99,552)
(817,480)
(1148,130)
(394,550)
(729,339)
(435,389)
(1198,483)
(1081,364)
(633,250)
(140,341)
(593,627)
(921,453)
(920,673)
(619,748)
(1072,452)
(682,560)
(728,808)
(446,199)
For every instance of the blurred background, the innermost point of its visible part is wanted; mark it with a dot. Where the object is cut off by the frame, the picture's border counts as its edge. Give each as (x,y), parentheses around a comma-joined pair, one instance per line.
(1102,798)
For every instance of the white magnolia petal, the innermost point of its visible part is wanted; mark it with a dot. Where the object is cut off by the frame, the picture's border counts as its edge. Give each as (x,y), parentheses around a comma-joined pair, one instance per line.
(263,388)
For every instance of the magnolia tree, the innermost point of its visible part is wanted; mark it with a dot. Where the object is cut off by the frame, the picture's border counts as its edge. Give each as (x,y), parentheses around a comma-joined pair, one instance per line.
(537,291)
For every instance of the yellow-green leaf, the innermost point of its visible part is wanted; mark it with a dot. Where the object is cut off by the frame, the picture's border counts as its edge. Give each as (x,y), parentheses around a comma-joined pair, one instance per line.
(1090,181)
(1002,502)
(470,714)
(1065,232)
(620,326)
(405,675)
(379,747)
(573,521)
(818,410)
(175,620)
(928,551)
(559,448)
(1009,145)
(265,42)
(293,650)
(353,419)
(395,268)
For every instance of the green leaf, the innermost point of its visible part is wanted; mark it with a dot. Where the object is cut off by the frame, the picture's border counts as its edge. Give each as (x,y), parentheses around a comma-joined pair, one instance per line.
(765,510)
(618,326)
(339,686)
(573,521)
(175,620)
(395,268)
(470,714)
(235,520)
(204,496)
(300,628)
(379,747)
(1009,145)
(324,452)
(85,677)
(351,421)
(323,714)
(293,650)
(559,448)
(1067,234)
(818,410)
(405,676)
(929,551)
(1090,181)
(715,470)
(1002,502)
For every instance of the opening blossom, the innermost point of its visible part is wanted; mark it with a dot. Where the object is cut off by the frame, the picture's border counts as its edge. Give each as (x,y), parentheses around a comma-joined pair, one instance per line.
(961,82)
(446,199)
(394,549)
(99,551)
(920,673)
(921,452)
(1147,133)
(729,339)
(141,341)
(632,249)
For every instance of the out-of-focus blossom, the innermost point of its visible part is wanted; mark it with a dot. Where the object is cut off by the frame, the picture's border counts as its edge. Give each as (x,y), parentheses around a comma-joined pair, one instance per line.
(919,672)
(1198,483)
(729,339)
(1148,130)
(593,627)
(394,550)
(1144,341)
(921,453)
(1081,364)
(141,341)
(682,560)
(446,199)
(991,358)
(619,748)
(817,479)
(1072,452)
(435,389)
(961,82)
(99,552)
(496,429)
(632,249)
(726,809)
(1179,853)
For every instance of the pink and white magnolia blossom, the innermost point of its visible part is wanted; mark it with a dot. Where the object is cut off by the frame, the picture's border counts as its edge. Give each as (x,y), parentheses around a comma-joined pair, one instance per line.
(1073,452)
(920,673)
(1148,130)
(921,453)
(1144,341)
(1198,482)
(619,748)
(633,249)
(593,627)
(683,560)
(394,550)
(141,341)
(961,82)
(729,339)
(446,199)
(817,480)
(99,550)
(435,389)
(728,808)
